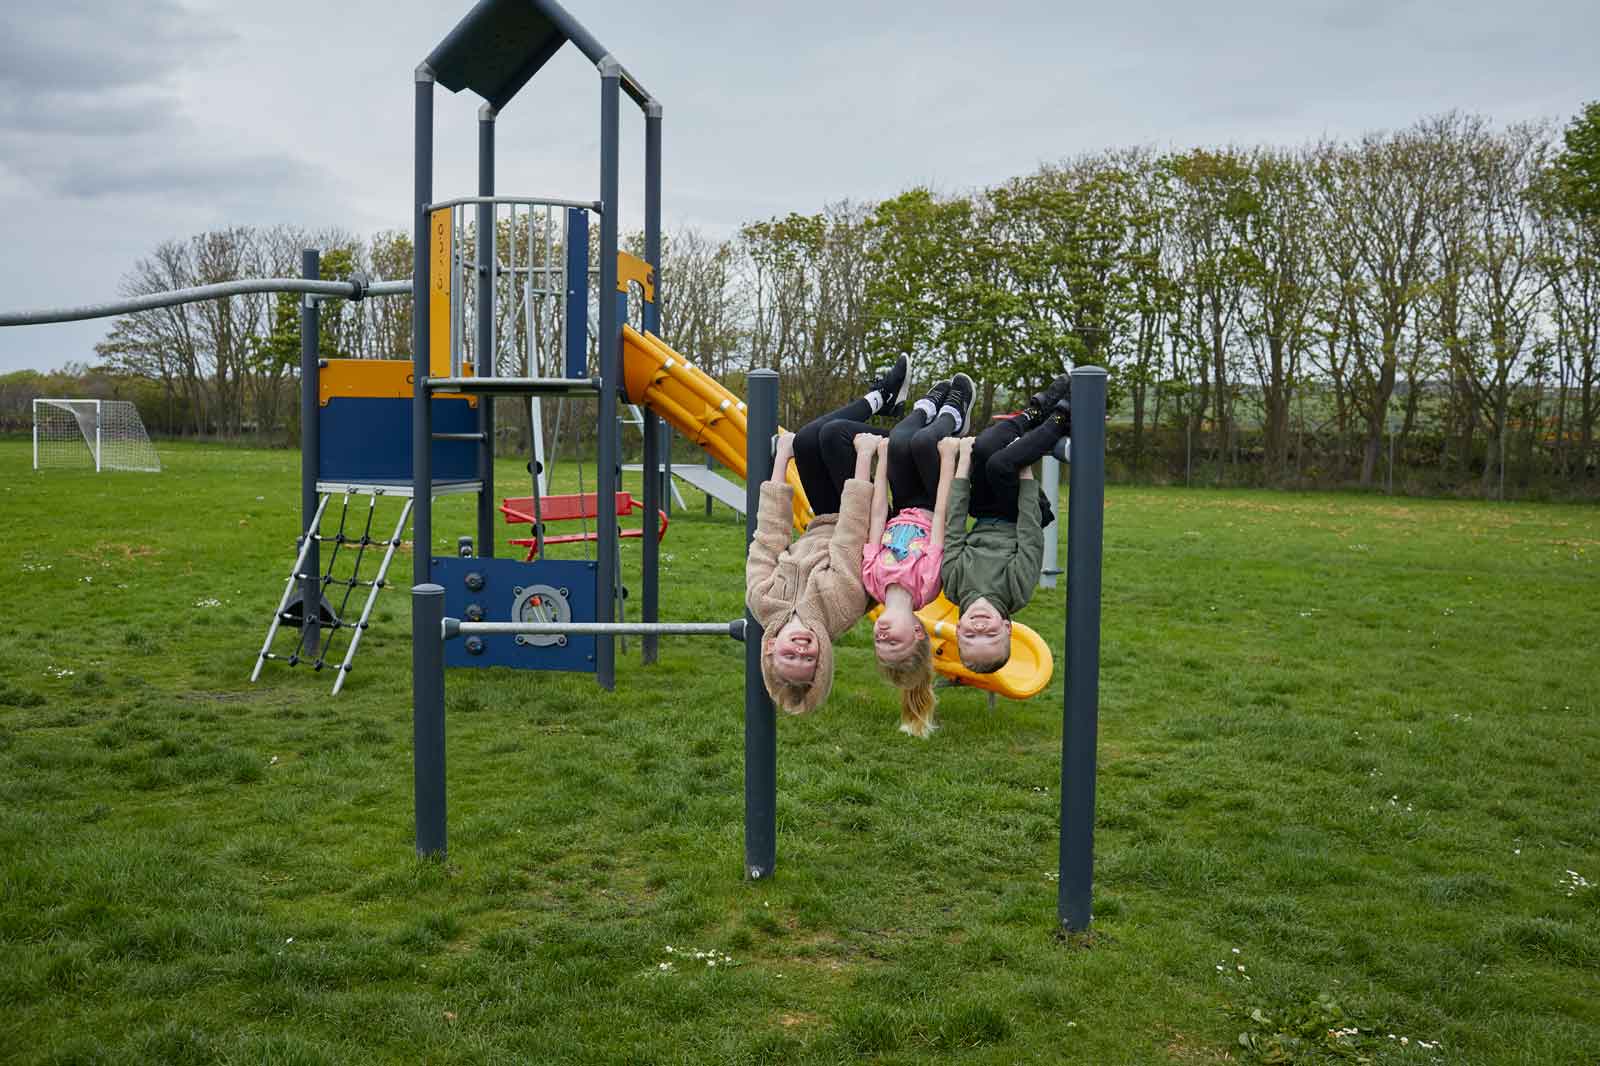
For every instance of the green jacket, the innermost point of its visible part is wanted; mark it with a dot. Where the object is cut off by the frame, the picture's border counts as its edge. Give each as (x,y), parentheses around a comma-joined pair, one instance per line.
(996,560)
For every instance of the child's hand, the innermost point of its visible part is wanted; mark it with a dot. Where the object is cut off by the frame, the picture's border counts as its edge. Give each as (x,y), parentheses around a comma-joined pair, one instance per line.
(966,445)
(948,448)
(866,442)
(883,447)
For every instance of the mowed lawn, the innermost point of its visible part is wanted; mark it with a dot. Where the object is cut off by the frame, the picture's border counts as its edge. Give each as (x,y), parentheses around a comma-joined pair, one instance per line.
(1347,808)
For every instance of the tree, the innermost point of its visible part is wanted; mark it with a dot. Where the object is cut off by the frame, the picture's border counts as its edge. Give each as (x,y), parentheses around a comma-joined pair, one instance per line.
(1579,163)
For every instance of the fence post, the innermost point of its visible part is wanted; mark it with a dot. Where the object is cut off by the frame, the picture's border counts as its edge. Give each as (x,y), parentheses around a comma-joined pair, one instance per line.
(1081,694)
(760,722)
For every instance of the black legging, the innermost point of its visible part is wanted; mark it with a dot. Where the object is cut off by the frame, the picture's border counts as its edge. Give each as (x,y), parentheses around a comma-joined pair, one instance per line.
(913,455)
(821,475)
(998,456)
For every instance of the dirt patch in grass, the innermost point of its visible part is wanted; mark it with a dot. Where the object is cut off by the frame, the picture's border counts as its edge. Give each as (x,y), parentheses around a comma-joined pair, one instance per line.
(104,550)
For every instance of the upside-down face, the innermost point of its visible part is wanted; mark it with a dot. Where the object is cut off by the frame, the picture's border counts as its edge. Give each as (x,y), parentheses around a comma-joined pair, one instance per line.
(895,636)
(983,636)
(794,653)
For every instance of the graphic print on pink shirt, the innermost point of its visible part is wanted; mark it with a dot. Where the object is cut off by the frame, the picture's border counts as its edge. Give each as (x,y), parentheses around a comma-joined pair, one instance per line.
(903,557)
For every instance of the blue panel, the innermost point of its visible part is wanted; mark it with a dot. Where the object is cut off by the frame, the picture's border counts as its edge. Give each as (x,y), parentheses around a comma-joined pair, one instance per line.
(506,583)
(577,293)
(368,439)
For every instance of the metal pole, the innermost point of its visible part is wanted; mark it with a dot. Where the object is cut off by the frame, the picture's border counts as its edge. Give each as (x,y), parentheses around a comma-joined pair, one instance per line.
(310,453)
(760,722)
(650,546)
(1051,483)
(651,321)
(454,627)
(605,649)
(486,343)
(1080,702)
(98,423)
(421,423)
(427,717)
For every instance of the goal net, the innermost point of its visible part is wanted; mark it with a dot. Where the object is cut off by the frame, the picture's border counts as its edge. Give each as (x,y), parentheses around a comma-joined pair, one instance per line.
(103,434)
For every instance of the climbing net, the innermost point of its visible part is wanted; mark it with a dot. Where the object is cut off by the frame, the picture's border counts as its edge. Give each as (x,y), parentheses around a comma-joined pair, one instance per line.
(344,551)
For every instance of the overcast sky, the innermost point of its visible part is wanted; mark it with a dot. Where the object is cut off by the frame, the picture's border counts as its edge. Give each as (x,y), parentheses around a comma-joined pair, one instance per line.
(126,124)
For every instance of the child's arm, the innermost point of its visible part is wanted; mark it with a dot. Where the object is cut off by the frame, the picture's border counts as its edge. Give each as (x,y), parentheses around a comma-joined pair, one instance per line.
(949,447)
(955,523)
(1022,573)
(774,517)
(880,490)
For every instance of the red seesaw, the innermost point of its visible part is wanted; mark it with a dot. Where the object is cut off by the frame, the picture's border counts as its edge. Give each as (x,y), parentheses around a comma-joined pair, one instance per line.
(569,508)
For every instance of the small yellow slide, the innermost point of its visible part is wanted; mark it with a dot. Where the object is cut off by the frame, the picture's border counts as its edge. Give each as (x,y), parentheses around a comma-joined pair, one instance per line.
(700,408)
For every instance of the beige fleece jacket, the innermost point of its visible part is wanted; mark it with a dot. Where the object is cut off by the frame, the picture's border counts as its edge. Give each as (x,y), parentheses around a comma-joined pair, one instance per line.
(816,578)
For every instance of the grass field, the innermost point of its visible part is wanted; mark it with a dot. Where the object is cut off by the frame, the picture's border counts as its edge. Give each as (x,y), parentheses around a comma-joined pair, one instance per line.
(1348,753)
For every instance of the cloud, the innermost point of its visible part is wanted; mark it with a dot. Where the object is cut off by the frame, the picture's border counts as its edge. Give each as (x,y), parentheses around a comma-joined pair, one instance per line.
(80,46)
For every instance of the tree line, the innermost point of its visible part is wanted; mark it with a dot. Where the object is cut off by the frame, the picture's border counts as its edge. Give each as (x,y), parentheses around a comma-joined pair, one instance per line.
(1421,303)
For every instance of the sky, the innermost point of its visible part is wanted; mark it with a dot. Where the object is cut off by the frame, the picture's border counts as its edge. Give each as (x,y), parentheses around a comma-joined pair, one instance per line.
(124,125)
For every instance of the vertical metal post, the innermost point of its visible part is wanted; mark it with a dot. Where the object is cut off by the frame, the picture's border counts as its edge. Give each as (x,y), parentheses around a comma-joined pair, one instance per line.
(486,341)
(98,422)
(1051,484)
(760,721)
(651,323)
(310,455)
(1080,702)
(605,651)
(36,434)
(709,466)
(421,422)
(650,547)
(427,718)
(666,467)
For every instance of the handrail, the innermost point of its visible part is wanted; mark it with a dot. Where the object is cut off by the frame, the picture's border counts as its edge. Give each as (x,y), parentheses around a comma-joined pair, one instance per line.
(349,290)
(529,201)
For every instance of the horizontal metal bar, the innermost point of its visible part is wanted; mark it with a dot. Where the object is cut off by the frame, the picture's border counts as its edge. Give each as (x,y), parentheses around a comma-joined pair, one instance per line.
(515,386)
(526,201)
(241,287)
(389,288)
(458,436)
(454,627)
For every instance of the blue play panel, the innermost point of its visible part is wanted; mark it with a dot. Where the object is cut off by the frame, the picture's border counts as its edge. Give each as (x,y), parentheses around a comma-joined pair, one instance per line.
(505,590)
(367,439)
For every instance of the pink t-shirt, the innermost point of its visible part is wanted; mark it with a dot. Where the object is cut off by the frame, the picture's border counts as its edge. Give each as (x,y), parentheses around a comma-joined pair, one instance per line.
(904,557)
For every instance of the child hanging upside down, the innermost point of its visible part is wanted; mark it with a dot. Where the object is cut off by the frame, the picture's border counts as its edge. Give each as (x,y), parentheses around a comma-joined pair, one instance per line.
(900,561)
(806,593)
(990,571)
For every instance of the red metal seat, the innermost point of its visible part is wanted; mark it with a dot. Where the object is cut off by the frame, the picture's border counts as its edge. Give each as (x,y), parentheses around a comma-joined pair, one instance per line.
(518,510)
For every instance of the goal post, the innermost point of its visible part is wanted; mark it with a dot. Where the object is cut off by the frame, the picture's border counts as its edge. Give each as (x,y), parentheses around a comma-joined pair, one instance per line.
(103,434)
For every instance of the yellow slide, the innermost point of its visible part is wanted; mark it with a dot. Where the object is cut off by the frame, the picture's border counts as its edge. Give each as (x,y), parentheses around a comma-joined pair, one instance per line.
(700,408)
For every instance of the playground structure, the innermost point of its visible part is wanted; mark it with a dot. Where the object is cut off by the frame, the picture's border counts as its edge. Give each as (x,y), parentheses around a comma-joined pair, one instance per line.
(562,614)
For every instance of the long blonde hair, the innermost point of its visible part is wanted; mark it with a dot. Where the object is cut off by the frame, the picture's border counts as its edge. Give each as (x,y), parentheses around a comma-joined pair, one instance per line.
(913,676)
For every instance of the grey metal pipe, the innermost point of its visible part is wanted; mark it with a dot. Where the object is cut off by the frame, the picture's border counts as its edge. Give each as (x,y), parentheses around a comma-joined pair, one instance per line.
(656,498)
(421,420)
(1081,695)
(606,472)
(760,720)
(310,456)
(349,290)
(486,345)
(427,717)
(520,201)
(454,627)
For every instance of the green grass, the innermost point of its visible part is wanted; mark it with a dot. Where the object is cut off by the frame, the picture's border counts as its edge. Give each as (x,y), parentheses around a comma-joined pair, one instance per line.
(1348,744)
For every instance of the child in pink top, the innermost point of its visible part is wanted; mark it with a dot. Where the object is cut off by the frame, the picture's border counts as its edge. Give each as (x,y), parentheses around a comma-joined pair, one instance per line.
(900,560)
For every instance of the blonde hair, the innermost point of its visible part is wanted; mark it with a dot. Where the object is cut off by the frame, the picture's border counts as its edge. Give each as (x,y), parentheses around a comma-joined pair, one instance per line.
(913,676)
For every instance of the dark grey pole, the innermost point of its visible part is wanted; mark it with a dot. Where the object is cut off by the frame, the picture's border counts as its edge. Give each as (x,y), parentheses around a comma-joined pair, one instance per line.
(421,422)
(310,456)
(1081,697)
(486,339)
(650,547)
(653,501)
(760,721)
(427,719)
(605,657)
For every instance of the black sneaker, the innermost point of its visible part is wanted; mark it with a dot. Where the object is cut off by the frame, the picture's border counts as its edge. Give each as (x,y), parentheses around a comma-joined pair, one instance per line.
(1062,450)
(936,395)
(893,386)
(960,393)
(1040,403)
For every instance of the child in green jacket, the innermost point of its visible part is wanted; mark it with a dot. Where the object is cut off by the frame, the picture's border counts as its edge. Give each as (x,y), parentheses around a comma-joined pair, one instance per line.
(990,571)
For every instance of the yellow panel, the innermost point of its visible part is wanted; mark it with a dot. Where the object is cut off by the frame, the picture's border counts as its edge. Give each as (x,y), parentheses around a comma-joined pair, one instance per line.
(389,379)
(440,248)
(632,268)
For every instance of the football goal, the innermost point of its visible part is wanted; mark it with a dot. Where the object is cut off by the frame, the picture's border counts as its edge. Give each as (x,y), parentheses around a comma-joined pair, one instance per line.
(104,434)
